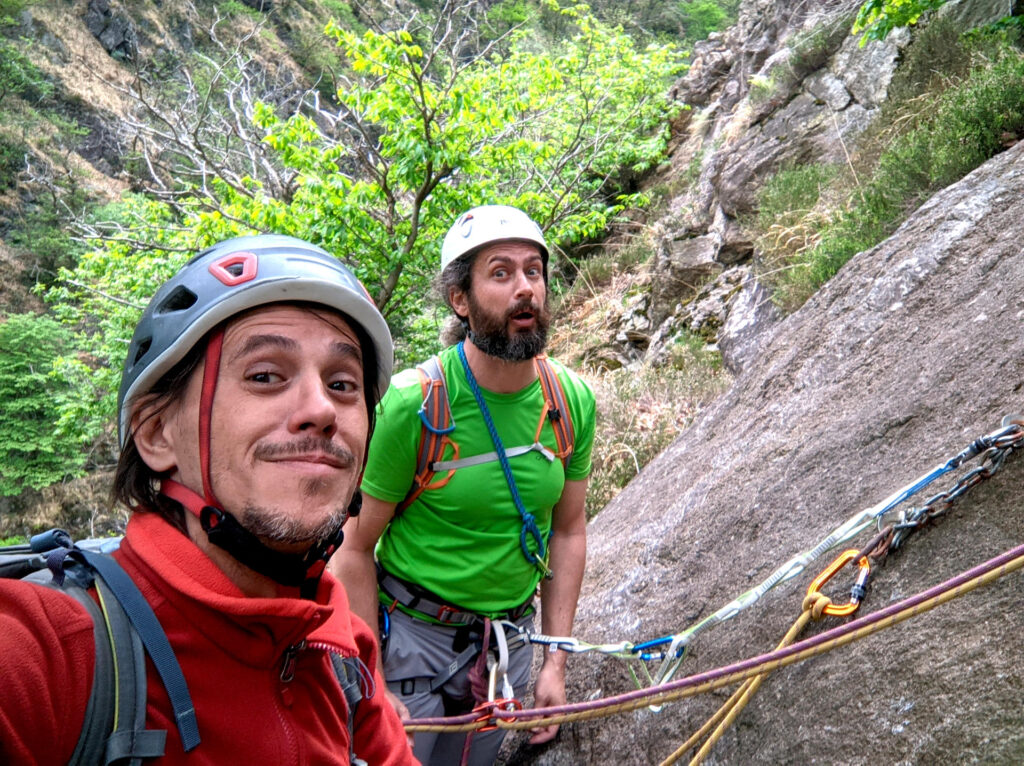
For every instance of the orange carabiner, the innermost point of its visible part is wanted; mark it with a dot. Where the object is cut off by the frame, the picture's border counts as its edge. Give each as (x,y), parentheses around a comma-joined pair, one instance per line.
(486,709)
(843,610)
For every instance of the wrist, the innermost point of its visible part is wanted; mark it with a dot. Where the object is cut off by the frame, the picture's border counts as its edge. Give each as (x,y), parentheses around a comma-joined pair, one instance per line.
(555,659)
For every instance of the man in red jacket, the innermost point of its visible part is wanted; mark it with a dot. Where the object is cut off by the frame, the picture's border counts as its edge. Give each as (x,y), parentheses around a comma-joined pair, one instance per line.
(245,410)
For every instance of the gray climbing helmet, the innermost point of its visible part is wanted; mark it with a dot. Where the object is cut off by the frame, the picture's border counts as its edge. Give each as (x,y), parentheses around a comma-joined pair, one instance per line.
(488,225)
(228,279)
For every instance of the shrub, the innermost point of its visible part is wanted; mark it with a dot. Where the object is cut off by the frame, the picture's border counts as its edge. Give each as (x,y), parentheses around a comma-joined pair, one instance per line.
(639,413)
(953,133)
(33,453)
(11,162)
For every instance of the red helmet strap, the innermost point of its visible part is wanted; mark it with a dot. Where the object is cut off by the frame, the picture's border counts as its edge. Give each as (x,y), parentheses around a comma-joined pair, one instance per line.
(210,373)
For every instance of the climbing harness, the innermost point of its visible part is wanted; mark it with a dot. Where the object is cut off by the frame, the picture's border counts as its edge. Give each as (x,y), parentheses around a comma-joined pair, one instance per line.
(417,599)
(530,529)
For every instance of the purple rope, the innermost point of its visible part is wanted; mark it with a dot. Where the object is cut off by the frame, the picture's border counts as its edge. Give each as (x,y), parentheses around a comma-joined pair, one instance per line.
(712,675)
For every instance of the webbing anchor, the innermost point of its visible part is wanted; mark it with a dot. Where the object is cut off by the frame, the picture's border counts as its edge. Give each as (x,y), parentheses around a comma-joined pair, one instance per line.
(856,592)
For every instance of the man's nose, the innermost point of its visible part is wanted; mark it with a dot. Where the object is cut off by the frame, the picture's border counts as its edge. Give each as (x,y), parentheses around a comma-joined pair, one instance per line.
(523,285)
(314,409)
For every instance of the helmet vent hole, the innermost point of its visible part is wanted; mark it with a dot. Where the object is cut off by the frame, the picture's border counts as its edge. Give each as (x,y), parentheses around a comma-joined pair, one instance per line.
(142,349)
(181,298)
(235,269)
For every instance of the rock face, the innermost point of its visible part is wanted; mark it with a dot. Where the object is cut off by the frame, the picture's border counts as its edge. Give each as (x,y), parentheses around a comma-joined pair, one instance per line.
(913,350)
(786,85)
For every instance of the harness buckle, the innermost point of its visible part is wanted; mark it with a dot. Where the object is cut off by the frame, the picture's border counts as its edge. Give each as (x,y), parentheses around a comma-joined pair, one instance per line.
(445,613)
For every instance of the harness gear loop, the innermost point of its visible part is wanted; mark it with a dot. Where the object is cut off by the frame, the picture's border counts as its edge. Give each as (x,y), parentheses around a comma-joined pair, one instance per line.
(538,558)
(856,594)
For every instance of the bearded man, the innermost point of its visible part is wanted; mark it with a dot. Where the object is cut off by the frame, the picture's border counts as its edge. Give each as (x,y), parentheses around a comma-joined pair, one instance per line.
(448,557)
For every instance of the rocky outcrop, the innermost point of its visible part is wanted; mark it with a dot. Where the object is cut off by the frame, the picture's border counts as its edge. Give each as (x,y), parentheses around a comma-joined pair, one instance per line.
(914,349)
(113,29)
(786,85)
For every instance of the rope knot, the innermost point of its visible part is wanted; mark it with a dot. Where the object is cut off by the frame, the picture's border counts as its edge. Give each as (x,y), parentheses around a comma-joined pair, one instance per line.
(815,602)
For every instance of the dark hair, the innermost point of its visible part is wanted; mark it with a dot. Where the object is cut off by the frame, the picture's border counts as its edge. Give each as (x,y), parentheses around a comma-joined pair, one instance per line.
(457,275)
(137,486)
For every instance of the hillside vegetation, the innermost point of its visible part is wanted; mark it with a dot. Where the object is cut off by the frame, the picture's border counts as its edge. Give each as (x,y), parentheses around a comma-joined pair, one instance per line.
(125,150)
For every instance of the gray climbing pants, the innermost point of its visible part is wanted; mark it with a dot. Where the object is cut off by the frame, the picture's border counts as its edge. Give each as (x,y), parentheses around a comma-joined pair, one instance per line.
(417,653)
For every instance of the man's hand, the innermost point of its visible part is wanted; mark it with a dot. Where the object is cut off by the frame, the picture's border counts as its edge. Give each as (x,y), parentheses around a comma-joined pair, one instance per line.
(400,708)
(548,692)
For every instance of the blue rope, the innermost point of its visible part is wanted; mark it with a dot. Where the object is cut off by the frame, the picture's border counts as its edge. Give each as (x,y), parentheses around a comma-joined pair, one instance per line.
(529,521)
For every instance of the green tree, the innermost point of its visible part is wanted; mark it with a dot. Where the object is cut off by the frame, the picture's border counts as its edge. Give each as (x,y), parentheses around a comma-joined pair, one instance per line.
(877,18)
(427,124)
(33,451)
(702,17)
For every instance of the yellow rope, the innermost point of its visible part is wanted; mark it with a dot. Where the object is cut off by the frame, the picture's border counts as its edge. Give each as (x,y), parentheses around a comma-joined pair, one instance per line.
(735,704)
(768,666)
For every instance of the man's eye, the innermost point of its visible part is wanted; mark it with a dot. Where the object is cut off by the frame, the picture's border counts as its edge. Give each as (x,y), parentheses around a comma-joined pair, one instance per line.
(343,385)
(264,377)
(500,273)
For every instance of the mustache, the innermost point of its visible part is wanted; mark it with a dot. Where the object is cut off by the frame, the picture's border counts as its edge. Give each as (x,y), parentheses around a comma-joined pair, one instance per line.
(524,305)
(307,445)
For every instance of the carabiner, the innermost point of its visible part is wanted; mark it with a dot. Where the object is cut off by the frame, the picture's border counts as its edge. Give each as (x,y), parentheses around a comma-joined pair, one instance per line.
(857,592)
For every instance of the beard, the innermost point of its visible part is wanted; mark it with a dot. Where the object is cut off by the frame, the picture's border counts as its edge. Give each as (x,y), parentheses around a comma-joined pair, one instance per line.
(272,526)
(490,333)
(275,528)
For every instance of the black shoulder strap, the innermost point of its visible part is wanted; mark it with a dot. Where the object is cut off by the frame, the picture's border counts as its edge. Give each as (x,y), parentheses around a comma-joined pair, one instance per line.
(138,611)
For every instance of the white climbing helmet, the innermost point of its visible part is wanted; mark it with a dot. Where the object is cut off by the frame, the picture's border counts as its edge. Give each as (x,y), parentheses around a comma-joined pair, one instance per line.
(486,225)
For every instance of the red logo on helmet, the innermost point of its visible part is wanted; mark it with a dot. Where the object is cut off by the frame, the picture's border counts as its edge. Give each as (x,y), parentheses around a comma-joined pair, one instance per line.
(234,268)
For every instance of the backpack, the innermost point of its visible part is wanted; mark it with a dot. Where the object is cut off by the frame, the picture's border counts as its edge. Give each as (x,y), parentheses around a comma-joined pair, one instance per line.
(436,416)
(124,630)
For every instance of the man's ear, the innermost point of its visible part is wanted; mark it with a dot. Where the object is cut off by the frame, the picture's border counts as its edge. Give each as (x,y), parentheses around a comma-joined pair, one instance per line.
(151,429)
(459,302)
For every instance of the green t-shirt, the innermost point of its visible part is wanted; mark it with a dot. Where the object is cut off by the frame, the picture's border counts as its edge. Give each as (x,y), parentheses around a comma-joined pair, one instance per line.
(461,541)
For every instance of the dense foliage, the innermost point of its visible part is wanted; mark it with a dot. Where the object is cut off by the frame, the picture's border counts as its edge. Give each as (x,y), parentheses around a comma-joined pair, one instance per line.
(32,452)
(934,131)
(425,124)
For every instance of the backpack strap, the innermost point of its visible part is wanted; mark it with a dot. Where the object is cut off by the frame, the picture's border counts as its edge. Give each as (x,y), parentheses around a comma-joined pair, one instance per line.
(556,410)
(114,726)
(127,594)
(436,416)
(100,709)
(348,671)
(130,741)
(124,628)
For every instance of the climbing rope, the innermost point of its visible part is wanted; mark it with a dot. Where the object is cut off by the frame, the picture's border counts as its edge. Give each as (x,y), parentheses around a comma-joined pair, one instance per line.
(816,605)
(530,529)
(964,583)
(994,449)
(732,707)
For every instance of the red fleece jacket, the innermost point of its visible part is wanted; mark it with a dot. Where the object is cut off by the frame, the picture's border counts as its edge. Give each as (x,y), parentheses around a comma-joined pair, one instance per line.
(231,649)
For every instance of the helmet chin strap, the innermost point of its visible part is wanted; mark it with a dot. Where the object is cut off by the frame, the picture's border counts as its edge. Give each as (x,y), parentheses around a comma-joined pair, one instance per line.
(223,529)
(301,570)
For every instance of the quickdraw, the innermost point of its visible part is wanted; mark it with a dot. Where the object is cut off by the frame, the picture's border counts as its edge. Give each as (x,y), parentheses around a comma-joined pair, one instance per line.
(670,650)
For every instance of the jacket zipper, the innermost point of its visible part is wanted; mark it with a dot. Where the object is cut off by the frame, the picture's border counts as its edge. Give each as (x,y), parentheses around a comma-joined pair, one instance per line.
(291,658)
(288,663)
(332,649)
